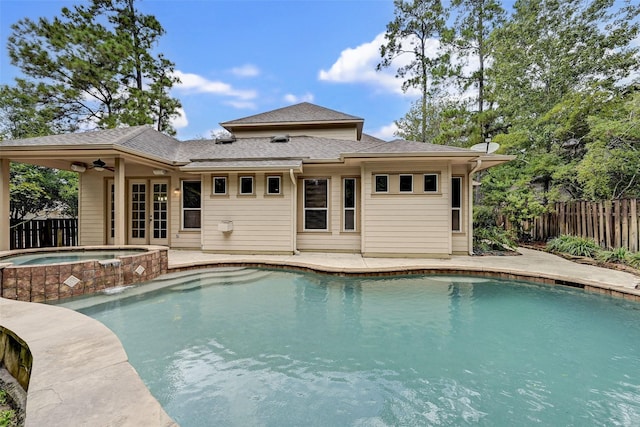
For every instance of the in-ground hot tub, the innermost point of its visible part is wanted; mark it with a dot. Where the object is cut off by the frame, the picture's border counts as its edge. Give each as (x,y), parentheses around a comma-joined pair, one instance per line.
(50,274)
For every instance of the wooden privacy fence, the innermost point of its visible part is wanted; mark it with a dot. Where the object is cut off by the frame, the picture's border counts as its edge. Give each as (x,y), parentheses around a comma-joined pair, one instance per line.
(612,224)
(43,233)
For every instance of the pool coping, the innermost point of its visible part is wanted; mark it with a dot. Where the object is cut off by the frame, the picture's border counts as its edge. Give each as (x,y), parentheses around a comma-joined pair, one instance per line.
(81,374)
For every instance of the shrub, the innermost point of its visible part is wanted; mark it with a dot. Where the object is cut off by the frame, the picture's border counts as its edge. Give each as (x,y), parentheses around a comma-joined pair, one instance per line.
(573,245)
(618,256)
(492,239)
(634,260)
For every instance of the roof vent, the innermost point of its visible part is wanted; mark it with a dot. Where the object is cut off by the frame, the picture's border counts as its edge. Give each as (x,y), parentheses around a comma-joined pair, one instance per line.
(280,138)
(226,140)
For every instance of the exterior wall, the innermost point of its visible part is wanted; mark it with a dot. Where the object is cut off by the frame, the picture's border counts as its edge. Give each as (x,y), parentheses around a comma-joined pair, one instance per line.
(261,222)
(333,240)
(460,240)
(407,224)
(92,210)
(349,133)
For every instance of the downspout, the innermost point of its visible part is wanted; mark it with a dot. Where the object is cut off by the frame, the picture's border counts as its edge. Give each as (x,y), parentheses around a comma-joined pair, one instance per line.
(294,212)
(470,201)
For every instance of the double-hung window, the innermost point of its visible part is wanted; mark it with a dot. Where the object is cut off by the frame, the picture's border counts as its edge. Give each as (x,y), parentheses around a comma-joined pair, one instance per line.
(191,204)
(316,204)
(456,203)
(349,204)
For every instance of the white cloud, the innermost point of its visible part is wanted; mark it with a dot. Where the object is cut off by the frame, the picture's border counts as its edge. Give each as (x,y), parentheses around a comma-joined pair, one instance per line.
(358,65)
(247,70)
(387,132)
(198,84)
(241,105)
(293,99)
(181,120)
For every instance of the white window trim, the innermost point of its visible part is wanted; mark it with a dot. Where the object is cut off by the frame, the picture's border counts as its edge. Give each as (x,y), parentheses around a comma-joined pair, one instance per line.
(279,178)
(437,183)
(305,208)
(354,208)
(400,176)
(461,229)
(375,182)
(253,186)
(213,185)
(183,209)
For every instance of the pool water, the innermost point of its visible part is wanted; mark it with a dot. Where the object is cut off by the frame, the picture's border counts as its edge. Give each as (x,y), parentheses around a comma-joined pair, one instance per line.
(291,349)
(43,258)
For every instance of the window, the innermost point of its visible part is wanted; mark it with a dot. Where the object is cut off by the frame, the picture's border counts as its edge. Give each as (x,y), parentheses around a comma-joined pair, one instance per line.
(430,183)
(316,210)
(219,185)
(406,183)
(456,204)
(349,214)
(381,183)
(191,203)
(273,185)
(246,185)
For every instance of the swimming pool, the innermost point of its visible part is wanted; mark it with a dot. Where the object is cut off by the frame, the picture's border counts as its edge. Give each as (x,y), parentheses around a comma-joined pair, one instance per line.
(258,347)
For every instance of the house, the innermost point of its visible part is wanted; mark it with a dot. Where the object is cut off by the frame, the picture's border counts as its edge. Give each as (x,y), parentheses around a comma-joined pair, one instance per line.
(299,178)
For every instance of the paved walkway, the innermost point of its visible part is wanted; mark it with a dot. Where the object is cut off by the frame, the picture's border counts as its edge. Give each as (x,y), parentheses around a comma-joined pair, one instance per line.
(530,263)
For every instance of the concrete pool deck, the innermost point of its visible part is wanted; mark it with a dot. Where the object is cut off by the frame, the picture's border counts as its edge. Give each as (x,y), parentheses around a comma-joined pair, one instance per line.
(530,264)
(81,374)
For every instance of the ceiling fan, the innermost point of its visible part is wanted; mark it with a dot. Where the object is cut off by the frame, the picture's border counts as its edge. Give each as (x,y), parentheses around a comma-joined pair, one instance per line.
(97,165)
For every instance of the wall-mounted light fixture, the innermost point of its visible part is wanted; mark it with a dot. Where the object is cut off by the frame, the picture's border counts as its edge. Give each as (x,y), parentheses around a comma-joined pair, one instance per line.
(176,191)
(159,171)
(78,167)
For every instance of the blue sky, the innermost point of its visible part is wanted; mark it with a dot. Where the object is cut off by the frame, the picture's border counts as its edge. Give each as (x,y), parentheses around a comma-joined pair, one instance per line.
(240,57)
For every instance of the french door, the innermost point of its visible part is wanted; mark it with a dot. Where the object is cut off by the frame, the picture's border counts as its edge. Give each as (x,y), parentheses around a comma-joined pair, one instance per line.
(147,212)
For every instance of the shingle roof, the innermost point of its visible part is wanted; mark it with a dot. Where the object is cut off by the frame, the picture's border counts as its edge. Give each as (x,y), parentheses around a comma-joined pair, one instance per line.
(303,147)
(244,164)
(304,112)
(107,136)
(143,139)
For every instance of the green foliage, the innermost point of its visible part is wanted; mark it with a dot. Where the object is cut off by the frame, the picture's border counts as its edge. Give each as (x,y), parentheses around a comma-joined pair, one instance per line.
(574,245)
(37,190)
(493,239)
(633,260)
(611,165)
(94,64)
(617,256)
(7,416)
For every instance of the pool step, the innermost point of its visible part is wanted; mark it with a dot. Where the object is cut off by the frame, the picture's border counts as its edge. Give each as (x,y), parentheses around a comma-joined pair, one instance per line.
(177,282)
(199,279)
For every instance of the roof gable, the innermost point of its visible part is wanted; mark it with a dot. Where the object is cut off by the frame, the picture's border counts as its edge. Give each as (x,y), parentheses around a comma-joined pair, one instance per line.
(304,112)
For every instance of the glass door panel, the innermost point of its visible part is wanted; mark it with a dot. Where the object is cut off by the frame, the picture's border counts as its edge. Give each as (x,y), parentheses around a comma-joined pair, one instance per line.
(138,212)
(160,213)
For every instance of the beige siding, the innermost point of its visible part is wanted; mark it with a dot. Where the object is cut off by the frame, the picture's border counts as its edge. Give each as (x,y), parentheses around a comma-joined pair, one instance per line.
(91,201)
(415,224)
(261,223)
(334,239)
(335,133)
